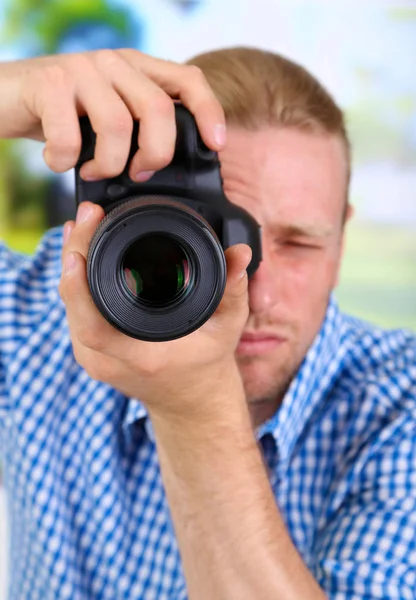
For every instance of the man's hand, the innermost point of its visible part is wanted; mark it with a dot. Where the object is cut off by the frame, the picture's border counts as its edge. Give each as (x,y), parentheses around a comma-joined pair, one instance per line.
(166,376)
(43,98)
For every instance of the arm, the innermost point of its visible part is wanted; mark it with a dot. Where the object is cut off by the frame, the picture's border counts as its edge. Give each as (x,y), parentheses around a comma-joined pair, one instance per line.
(233,541)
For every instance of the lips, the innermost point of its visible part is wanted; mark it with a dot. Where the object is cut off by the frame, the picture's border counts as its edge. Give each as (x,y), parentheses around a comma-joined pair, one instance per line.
(257,337)
(258,343)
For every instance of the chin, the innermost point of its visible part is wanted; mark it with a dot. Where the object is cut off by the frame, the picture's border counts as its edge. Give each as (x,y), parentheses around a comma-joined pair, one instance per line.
(265,377)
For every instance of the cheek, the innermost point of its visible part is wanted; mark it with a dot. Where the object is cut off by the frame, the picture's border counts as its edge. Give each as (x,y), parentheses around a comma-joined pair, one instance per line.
(309,279)
(308,285)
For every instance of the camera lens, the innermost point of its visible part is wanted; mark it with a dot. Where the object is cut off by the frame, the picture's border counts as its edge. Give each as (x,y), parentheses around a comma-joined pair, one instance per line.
(156,269)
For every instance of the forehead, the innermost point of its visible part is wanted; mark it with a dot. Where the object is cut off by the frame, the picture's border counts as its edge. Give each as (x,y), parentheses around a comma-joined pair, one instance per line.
(283,175)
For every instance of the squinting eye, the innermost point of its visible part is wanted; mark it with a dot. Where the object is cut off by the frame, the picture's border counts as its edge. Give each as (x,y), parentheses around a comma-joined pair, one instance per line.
(299,245)
(296,244)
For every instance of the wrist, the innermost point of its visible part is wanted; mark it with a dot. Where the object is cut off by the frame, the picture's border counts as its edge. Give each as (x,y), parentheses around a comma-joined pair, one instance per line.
(213,397)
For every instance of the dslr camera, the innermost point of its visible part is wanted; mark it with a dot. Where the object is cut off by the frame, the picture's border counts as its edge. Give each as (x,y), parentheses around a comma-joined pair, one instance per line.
(156,266)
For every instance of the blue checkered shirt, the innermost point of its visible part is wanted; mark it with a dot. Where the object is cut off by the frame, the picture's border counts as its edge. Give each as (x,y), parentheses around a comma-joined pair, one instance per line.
(88,514)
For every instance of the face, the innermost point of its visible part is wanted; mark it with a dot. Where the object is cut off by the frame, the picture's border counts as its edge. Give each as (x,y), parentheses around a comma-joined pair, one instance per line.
(293,183)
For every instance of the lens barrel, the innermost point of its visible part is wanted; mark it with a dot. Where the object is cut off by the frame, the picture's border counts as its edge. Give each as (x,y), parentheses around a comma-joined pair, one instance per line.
(156,268)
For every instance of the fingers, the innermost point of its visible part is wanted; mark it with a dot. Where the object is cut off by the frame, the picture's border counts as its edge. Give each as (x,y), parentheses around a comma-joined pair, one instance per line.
(110,119)
(86,323)
(188,83)
(235,296)
(113,87)
(87,326)
(150,105)
(238,258)
(59,91)
(89,215)
(56,108)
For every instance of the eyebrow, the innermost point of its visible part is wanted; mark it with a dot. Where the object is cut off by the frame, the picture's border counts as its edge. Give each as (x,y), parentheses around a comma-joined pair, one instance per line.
(302,230)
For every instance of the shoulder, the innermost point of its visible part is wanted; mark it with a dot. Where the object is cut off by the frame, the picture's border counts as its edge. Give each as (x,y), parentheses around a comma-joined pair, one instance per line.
(22,272)
(372,402)
(381,365)
(28,285)
(369,418)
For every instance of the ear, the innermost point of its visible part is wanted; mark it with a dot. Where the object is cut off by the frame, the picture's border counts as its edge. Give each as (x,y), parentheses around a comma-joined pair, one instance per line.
(349,214)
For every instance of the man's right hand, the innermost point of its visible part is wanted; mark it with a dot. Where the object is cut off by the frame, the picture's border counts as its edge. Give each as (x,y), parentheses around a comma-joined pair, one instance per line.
(42,99)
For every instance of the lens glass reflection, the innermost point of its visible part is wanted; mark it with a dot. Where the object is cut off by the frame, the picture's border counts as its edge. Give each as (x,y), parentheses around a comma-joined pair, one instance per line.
(156,269)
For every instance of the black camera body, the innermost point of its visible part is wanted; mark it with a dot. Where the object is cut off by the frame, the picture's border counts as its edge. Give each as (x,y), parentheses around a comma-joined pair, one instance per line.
(156,266)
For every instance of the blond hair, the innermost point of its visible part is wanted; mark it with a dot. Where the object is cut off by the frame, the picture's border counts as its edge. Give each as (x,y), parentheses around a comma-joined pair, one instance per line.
(256,88)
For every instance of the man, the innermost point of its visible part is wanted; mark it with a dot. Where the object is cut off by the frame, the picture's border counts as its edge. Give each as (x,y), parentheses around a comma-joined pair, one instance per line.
(269,454)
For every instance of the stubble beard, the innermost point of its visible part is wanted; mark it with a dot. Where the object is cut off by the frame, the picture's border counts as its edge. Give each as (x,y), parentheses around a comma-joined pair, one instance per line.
(266,383)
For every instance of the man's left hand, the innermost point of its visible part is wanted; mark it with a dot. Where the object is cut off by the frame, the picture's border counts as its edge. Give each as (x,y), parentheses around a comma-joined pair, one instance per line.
(165,376)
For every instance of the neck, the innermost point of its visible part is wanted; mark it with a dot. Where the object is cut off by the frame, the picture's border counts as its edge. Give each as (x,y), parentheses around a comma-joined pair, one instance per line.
(262,410)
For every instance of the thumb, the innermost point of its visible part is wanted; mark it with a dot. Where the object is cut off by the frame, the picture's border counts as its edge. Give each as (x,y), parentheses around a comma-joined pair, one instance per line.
(238,258)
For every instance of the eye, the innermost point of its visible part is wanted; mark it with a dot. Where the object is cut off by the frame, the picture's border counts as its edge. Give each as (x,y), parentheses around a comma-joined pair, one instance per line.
(297,244)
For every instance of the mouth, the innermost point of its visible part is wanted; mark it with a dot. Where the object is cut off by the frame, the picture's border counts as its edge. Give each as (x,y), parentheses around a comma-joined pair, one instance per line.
(252,344)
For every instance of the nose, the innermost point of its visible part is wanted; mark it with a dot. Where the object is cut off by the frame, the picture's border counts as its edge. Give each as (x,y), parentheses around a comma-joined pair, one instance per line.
(263,292)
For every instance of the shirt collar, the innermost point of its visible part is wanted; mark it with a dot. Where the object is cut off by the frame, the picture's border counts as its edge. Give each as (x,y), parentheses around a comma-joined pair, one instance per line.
(313,380)
(136,411)
(312,383)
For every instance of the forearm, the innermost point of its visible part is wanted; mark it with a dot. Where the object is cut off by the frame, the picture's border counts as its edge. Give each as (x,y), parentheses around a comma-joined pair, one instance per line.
(232,539)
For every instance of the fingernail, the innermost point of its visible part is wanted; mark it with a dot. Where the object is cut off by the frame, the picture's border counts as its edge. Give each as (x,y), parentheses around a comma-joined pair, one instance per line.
(241,275)
(89,177)
(70,263)
(220,134)
(84,213)
(144,175)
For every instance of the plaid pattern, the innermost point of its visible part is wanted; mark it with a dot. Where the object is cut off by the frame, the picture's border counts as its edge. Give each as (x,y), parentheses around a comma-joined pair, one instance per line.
(88,513)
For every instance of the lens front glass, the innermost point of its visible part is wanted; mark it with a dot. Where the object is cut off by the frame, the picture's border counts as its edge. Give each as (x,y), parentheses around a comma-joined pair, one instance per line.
(156,269)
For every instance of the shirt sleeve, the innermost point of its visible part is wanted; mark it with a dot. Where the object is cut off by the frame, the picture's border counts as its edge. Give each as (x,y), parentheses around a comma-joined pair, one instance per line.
(10,264)
(367,550)
(28,289)
(3,396)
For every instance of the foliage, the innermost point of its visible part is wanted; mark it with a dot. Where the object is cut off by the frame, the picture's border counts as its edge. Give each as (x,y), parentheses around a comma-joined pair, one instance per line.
(48,21)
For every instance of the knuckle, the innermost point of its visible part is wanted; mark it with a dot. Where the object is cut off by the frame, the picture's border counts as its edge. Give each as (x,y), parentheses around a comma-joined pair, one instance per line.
(100,368)
(53,75)
(106,58)
(122,124)
(162,104)
(196,74)
(80,63)
(90,338)
(63,148)
(155,154)
(128,52)
(109,167)
(160,157)
(72,147)
(148,366)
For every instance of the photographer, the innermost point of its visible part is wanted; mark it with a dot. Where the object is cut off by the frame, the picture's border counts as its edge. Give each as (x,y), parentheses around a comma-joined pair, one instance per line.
(268,454)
